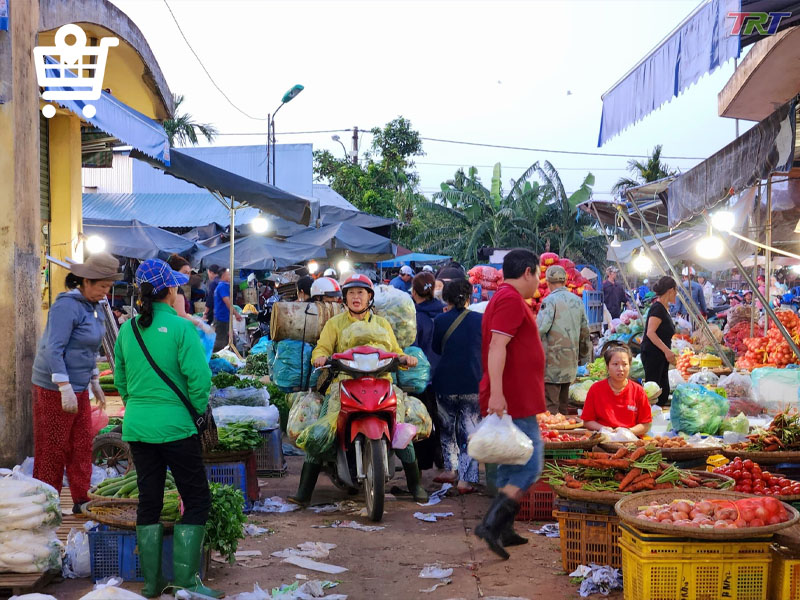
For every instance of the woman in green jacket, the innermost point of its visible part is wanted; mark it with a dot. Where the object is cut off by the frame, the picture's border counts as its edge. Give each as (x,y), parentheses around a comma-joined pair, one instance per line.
(159,427)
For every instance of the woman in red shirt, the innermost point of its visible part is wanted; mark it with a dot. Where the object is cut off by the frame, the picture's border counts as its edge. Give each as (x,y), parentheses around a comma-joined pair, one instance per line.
(617,402)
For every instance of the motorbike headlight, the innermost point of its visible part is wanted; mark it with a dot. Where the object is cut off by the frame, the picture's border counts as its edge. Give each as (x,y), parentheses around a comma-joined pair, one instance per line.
(366,363)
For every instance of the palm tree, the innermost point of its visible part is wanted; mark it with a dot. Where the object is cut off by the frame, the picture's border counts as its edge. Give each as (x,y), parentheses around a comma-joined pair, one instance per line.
(183,129)
(644,172)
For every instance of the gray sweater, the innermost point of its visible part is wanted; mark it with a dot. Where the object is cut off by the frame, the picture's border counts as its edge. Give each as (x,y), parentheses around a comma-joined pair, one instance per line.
(69,345)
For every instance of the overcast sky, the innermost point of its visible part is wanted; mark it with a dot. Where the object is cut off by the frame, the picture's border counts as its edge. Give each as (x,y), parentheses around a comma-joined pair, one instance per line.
(524,73)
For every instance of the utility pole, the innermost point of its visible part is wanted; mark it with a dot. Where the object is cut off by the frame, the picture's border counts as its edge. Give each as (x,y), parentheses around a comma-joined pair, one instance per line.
(355,145)
(269,142)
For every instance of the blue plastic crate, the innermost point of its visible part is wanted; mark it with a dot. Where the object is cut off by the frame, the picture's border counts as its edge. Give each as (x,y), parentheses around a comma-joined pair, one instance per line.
(593,304)
(233,473)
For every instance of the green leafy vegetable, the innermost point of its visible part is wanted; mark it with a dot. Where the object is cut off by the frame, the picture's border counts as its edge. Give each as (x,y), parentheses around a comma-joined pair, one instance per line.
(225,380)
(238,436)
(257,364)
(278,398)
(226,520)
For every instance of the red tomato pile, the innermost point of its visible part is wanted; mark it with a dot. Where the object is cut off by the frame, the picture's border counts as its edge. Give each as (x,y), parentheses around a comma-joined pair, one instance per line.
(550,435)
(750,479)
(717,514)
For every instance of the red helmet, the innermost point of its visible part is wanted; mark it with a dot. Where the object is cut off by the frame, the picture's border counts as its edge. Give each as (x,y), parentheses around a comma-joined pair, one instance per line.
(358,281)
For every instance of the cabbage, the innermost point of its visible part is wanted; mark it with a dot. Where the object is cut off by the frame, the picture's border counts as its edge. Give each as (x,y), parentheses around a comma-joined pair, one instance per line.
(737,424)
(696,409)
(398,308)
(651,388)
(578,391)
(637,368)
(622,328)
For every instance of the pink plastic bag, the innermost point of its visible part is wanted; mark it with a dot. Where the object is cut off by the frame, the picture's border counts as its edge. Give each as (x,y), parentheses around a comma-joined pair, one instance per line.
(402,435)
(99,419)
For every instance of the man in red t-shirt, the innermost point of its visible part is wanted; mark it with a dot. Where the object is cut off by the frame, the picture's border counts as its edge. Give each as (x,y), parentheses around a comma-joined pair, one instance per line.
(513,382)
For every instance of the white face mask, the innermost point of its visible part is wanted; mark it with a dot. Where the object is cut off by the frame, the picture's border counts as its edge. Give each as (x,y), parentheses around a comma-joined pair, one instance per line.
(437,294)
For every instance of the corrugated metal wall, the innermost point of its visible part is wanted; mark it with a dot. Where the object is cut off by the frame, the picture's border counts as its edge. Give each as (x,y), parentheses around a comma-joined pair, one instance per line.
(116,180)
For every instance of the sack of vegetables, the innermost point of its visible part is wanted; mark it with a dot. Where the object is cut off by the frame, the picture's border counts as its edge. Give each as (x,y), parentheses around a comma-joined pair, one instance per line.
(696,409)
(416,379)
(305,410)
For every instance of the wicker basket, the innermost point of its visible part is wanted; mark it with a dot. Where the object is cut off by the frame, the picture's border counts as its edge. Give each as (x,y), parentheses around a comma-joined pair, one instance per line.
(578,425)
(576,445)
(628,508)
(763,458)
(120,513)
(671,454)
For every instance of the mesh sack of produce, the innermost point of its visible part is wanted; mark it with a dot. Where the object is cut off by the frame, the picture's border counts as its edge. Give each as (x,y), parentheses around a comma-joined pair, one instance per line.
(701,339)
(704,377)
(416,414)
(738,314)
(29,552)
(305,410)
(291,368)
(261,346)
(231,396)
(416,379)
(366,333)
(696,409)
(776,389)
(318,438)
(397,307)
(737,385)
(748,406)
(578,391)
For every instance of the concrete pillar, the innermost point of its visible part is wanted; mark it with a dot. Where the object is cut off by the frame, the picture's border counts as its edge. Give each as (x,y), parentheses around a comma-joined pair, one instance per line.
(20,294)
(65,195)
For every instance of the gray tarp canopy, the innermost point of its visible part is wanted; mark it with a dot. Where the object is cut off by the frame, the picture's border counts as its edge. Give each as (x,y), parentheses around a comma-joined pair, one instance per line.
(258,253)
(362,244)
(650,198)
(262,196)
(134,239)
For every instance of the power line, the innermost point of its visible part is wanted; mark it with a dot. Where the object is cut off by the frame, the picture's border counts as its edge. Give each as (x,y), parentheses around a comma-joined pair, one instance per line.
(513,167)
(219,89)
(556,151)
(277,133)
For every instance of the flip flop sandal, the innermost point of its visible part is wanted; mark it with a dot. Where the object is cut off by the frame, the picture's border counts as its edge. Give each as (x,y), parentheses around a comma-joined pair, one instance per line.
(444,479)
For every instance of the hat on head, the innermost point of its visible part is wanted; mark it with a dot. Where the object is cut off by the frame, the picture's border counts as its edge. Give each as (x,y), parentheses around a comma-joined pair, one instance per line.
(449,273)
(406,270)
(101,265)
(159,274)
(428,269)
(556,274)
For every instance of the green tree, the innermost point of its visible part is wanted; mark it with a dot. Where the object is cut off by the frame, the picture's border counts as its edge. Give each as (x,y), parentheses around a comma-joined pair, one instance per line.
(652,169)
(183,130)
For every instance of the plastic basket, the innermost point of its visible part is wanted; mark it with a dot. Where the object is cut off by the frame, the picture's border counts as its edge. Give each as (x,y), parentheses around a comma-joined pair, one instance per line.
(578,506)
(234,474)
(562,454)
(785,575)
(537,503)
(269,456)
(588,538)
(113,553)
(662,567)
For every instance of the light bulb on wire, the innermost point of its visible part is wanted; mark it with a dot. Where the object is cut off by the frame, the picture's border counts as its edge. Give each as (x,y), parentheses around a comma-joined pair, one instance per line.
(723,220)
(95,244)
(709,247)
(642,263)
(260,224)
(313,266)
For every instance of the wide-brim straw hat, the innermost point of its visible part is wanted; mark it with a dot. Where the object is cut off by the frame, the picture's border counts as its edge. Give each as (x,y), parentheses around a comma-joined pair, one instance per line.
(101,265)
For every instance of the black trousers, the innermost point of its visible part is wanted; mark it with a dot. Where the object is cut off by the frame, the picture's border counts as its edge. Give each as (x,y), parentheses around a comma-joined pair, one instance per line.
(185,459)
(656,368)
(429,451)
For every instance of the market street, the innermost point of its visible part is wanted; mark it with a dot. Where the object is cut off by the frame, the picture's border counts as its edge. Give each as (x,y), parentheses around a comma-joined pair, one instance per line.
(386,564)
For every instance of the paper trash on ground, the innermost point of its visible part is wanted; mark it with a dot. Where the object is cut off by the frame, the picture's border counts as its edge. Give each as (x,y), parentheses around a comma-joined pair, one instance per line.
(307,563)
(274,505)
(437,496)
(307,550)
(436,586)
(255,530)
(550,530)
(435,572)
(431,517)
(349,525)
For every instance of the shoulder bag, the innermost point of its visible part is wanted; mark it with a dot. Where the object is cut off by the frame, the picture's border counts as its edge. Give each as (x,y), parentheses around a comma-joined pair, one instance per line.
(453,326)
(206,427)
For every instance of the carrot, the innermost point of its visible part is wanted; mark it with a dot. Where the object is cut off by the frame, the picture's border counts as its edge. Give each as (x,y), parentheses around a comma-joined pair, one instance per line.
(621,453)
(663,486)
(646,484)
(694,478)
(771,448)
(710,484)
(642,477)
(690,483)
(637,454)
(628,479)
(604,463)
(619,476)
(597,455)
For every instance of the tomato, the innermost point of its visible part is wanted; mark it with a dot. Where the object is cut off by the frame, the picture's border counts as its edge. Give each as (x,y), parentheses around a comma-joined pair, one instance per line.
(783,482)
(747,464)
(766,475)
(756,471)
(774,520)
(747,475)
(758,485)
(737,474)
(762,513)
(746,488)
(773,481)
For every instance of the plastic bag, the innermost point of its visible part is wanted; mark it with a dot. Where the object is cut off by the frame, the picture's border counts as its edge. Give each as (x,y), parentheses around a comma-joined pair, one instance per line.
(99,419)
(678,346)
(233,396)
(776,389)
(682,325)
(207,338)
(264,417)
(637,368)
(578,391)
(231,358)
(620,434)
(397,307)
(704,377)
(697,410)
(220,365)
(737,385)
(305,410)
(675,378)
(318,438)
(77,562)
(737,424)
(402,435)
(29,552)
(34,596)
(111,591)
(261,346)
(290,369)
(366,333)
(416,379)
(498,441)
(416,414)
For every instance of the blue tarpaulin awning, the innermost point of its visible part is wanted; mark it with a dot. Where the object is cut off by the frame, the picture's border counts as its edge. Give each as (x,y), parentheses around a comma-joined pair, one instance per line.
(258,253)
(699,45)
(134,239)
(415,257)
(120,120)
(362,244)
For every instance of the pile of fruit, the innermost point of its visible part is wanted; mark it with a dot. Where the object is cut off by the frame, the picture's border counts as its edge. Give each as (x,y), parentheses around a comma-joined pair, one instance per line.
(717,514)
(684,363)
(550,435)
(782,435)
(779,352)
(626,471)
(556,421)
(750,479)
(661,442)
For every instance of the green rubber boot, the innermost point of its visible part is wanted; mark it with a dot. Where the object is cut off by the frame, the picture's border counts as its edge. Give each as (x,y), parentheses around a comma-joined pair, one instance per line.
(149,540)
(308,480)
(186,555)
(414,480)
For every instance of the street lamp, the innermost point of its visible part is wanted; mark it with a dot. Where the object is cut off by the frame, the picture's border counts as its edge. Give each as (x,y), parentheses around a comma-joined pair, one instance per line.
(260,224)
(336,138)
(287,97)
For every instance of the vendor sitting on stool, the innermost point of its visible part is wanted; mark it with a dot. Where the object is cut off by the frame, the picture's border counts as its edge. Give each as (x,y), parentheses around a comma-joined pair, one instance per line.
(617,402)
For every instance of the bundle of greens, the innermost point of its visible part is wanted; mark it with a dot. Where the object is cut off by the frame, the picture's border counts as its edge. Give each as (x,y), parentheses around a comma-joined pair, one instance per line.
(278,399)
(238,437)
(226,519)
(257,364)
(225,380)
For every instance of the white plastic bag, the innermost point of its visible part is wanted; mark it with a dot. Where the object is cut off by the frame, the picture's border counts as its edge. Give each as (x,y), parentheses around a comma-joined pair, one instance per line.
(77,562)
(675,378)
(498,441)
(776,389)
(704,377)
(398,308)
(111,591)
(264,417)
(621,434)
(34,596)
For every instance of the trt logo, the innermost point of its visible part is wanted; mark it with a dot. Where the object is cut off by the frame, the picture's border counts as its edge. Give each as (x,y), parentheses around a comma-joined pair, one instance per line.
(763,23)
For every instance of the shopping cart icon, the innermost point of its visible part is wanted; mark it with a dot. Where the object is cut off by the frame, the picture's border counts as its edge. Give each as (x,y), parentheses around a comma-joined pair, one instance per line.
(78,72)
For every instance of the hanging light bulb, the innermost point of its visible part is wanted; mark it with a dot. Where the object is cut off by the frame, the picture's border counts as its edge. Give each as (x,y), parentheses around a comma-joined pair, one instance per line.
(260,224)
(723,220)
(709,246)
(95,244)
(615,242)
(313,266)
(642,263)
(344,266)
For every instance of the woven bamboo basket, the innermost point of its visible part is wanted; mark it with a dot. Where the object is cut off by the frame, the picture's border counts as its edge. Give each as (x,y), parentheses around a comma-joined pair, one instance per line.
(763,458)
(576,445)
(671,454)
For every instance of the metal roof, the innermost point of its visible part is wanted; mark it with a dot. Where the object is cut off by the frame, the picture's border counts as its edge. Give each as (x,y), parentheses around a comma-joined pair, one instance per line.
(328,197)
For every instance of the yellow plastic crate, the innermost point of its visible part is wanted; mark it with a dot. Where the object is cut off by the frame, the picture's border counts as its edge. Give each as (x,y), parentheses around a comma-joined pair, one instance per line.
(785,578)
(588,538)
(714,461)
(660,567)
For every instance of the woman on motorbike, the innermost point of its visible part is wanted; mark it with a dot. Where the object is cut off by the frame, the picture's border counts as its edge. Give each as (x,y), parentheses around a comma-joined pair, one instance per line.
(358,297)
